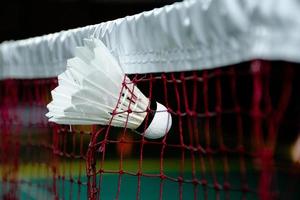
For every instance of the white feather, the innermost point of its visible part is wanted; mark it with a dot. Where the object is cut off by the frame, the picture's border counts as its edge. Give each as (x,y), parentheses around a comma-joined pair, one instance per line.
(90,88)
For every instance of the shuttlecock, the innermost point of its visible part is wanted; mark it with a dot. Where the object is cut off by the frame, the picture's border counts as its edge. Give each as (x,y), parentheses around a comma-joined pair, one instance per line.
(95,90)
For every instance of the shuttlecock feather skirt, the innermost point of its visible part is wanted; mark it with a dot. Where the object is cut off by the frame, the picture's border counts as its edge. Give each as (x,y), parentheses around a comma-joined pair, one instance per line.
(94,90)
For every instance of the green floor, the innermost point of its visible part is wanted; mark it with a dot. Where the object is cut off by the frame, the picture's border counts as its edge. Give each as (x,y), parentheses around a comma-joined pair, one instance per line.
(149,186)
(149,189)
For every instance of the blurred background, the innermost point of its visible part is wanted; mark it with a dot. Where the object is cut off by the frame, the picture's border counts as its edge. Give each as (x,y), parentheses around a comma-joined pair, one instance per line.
(55,160)
(21,19)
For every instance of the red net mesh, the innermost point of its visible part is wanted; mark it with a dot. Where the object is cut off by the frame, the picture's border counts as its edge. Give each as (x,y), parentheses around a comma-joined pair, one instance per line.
(231,136)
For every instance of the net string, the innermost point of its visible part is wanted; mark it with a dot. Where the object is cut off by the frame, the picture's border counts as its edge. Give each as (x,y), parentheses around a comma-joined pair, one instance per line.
(257,90)
(74,160)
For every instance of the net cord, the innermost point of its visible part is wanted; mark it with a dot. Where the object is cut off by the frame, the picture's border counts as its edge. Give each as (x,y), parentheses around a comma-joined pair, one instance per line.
(184,36)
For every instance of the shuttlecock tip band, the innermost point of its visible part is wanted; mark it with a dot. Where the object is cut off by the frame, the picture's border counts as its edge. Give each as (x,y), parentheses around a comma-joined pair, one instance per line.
(159,122)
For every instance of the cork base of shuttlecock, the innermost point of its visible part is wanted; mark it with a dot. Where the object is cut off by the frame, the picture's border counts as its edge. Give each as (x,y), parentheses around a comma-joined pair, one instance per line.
(159,124)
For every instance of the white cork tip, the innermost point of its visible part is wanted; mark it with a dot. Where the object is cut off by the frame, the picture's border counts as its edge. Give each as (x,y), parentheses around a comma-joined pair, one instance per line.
(161,123)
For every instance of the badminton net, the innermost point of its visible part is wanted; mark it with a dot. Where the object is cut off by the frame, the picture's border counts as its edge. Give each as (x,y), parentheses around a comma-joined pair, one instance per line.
(231,135)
